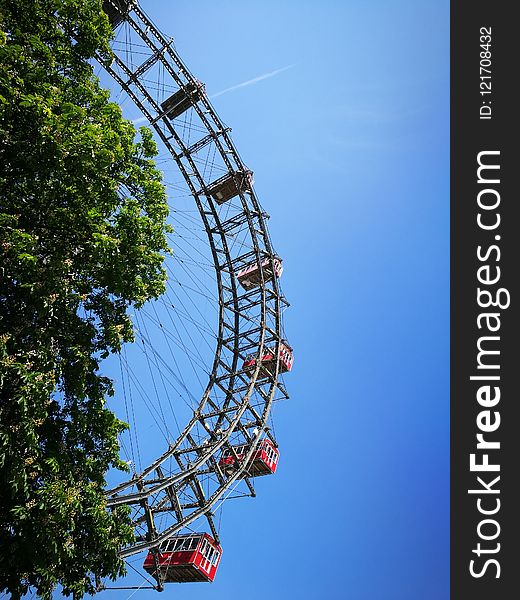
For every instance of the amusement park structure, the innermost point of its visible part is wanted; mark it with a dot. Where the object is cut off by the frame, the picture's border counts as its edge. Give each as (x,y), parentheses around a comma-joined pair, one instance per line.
(227,440)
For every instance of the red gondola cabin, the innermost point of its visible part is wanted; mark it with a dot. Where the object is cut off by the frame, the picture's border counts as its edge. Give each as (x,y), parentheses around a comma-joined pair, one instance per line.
(269,361)
(185,558)
(263,462)
(250,276)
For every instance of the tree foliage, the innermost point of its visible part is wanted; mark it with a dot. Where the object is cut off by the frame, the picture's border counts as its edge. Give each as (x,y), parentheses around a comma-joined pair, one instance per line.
(82,239)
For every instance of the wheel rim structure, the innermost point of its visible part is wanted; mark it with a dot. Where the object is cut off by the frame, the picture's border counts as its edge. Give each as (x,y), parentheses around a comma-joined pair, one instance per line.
(236,403)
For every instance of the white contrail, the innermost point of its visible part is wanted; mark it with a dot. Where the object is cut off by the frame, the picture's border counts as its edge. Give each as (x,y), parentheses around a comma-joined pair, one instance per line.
(234,87)
(252,81)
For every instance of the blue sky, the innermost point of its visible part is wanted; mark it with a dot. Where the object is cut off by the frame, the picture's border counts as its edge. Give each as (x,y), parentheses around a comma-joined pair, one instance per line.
(345,123)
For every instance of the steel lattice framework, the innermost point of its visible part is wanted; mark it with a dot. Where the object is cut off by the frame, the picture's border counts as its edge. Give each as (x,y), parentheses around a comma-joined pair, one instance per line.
(235,401)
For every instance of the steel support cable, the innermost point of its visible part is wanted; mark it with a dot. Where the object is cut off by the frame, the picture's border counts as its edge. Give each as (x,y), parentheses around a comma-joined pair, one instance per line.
(178,379)
(150,361)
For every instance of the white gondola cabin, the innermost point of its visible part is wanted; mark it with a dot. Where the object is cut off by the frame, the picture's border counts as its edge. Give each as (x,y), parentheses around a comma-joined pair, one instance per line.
(230,185)
(269,361)
(251,275)
(185,558)
(263,461)
(183,99)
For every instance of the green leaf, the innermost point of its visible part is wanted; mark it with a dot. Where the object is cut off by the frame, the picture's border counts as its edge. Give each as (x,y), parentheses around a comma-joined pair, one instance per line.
(71,245)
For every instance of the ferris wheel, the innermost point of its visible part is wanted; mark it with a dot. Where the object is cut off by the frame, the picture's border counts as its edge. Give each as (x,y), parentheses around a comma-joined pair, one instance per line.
(212,351)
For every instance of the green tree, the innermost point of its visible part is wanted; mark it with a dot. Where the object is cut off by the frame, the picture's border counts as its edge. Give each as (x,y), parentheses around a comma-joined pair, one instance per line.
(82,239)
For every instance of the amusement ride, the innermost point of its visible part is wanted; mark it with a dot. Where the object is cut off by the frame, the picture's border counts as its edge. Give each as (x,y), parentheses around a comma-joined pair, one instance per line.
(212,350)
